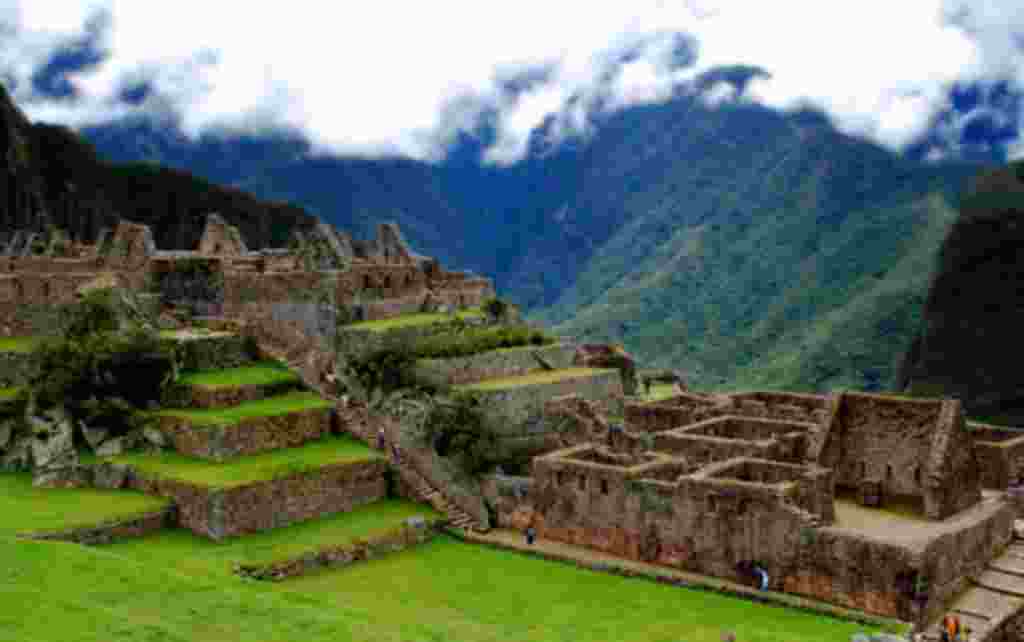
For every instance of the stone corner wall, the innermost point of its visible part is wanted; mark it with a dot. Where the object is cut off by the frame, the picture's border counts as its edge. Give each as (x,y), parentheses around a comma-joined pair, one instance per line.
(251,436)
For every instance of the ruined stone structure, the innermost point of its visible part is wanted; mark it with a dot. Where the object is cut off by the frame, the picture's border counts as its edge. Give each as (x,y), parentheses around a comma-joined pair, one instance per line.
(372,279)
(865,501)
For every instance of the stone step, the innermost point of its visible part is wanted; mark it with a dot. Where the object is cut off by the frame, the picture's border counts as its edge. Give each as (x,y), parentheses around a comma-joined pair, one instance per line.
(1009,564)
(984,603)
(1015,549)
(1002,582)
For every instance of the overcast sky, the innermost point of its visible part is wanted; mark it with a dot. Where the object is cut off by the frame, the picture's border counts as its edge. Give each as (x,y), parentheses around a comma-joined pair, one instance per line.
(389,76)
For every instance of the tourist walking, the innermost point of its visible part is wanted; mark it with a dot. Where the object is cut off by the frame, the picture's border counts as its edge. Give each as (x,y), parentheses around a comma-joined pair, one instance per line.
(395,456)
(531,535)
(382,439)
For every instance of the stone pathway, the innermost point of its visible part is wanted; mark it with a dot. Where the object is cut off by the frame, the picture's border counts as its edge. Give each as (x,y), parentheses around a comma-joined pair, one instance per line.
(995,596)
(606,562)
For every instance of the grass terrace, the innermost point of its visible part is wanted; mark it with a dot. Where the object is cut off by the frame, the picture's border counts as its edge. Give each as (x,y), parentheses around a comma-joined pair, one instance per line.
(410,320)
(19,344)
(188,552)
(7,394)
(532,379)
(263,373)
(27,509)
(152,589)
(250,469)
(278,405)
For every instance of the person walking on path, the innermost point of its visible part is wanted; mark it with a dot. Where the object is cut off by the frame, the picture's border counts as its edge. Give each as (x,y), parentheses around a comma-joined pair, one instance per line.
(531,534)
(382,439)
(395,456)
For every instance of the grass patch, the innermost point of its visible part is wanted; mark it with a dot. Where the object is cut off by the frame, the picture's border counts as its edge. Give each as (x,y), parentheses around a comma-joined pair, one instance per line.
(410,320)
(19,344)
(254,468)
(26,509)
(154,589)
(660,392)
(534,378)
(271,406)
(204,556)
(9,393)
(263,373)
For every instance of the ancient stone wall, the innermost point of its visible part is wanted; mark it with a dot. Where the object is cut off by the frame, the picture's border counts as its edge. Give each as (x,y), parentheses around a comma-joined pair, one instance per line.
(102,534)
(221,396)
(399,539)
(1000,455)
(250,436)
(496,364)
(220,513)
(907,447)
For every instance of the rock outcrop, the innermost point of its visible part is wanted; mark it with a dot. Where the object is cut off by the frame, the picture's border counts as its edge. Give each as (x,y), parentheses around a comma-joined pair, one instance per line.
(975,307)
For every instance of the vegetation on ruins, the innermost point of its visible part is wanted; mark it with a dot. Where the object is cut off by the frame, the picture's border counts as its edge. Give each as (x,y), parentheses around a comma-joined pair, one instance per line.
(276,405)
(475,340)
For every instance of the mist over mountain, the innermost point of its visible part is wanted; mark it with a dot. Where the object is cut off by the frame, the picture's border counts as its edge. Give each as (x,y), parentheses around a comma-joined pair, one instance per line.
(745,245)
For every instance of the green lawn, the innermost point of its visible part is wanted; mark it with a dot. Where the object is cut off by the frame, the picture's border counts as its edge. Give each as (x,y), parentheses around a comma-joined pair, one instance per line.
(263,373)
(253,468)
(539,377)
(277,405)
(188,552)
(445,591)
(660,391)
(9,393)
(19,344)
(408,320)
(26,509)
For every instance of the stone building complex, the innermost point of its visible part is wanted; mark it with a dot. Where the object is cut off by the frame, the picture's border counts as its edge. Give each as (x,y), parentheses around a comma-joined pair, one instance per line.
(870,502)
(373,279)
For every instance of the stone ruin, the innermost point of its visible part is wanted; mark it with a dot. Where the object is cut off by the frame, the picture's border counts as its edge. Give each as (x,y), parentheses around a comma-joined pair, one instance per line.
(870,502)
(373,279)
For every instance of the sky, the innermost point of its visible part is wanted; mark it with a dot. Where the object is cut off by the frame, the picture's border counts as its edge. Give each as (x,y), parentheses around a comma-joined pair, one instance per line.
(405,78)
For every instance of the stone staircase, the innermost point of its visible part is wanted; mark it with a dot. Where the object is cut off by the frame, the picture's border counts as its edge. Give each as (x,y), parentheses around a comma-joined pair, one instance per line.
(993,606)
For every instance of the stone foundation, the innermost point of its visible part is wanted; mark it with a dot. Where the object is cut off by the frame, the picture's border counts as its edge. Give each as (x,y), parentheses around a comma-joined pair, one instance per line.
(496,364)
(116,531)
(260,506)
(248,437)
(344,555)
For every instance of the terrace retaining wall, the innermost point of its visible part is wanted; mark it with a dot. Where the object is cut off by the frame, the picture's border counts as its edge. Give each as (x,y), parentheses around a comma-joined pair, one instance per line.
(109,533)
(259,506)
(495,364)
(248,437)
(199,396)
(393,541)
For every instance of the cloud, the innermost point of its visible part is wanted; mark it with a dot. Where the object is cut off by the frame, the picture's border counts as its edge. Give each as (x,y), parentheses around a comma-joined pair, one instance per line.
(393,77)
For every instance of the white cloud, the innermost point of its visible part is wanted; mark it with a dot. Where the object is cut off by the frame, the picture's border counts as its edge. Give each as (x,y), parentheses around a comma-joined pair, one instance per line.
(399,77)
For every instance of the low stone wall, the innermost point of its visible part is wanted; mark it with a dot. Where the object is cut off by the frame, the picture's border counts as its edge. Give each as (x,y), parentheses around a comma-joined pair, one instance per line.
(354,343)
(658,417)
(1000,455)
(16,368)
(222,396)
(260,506)
(248,437)
(216,352)
(396,540)
(515,416)
(101,534)
(495,364)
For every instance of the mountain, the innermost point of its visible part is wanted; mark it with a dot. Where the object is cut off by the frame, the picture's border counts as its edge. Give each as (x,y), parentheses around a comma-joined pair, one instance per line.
(975,307)
(747,246)
(51,176)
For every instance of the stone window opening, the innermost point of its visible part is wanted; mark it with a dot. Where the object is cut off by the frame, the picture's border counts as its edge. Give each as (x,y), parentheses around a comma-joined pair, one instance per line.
(408,280)
(888,473)
(917,475)
(604,486)
(583,482)
(711,501)
(387,282)
(559,478)
(367,282)
(862,470)
(46,290)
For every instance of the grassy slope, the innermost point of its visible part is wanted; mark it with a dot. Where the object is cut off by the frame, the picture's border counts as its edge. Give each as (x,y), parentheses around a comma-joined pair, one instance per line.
(444,591)
(245,470)
(264,373)
(534,378)
(277,405)
(198,555)
(9,393)
(26,509)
